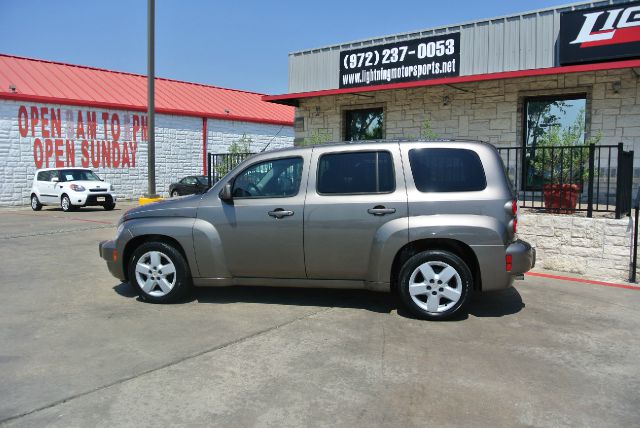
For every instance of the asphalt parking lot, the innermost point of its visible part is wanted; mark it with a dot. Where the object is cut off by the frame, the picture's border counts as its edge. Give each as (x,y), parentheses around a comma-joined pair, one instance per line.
(78,349)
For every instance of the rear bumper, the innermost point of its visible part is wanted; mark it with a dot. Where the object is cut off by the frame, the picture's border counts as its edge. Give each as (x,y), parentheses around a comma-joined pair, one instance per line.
(108,251)
(523,257)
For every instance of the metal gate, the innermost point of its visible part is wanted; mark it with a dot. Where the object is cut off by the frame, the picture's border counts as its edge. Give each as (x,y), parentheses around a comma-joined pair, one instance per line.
(219,164)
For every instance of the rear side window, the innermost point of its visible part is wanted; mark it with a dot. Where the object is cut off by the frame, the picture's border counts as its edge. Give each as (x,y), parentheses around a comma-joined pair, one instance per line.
(447,170)
(44,176)
(356,172)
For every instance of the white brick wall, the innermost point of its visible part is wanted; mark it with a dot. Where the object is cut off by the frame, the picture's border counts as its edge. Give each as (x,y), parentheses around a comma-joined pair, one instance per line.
(178,148)
(599,248)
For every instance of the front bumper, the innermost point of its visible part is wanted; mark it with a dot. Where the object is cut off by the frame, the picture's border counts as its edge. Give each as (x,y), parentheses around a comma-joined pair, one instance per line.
(523,257)
(91,199)
(109,252)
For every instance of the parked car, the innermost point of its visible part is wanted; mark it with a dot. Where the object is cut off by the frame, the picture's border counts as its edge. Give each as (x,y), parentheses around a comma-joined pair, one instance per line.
(193,184)
(432,221)
(70,188)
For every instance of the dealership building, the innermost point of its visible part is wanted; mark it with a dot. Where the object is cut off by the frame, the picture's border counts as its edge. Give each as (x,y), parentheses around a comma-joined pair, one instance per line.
(62,115)
(489,80)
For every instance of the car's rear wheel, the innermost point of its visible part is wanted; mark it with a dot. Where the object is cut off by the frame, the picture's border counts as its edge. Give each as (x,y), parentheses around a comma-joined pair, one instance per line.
(159,272)
(65,204)
(35,203)
(435,284)
(175,194)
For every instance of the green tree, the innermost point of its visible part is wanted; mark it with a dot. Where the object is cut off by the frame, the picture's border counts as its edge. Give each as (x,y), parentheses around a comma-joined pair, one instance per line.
(236,151)
(561,155)
(426,131)
(540,118)
(315,138)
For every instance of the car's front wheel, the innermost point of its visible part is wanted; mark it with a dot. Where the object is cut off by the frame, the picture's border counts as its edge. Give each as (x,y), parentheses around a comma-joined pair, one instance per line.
(35,203)
(159,272)
(435,284)
(175,194)
(109,207)
(65,204)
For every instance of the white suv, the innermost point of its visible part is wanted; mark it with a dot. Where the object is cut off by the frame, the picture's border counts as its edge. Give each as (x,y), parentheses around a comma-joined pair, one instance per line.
(71,188)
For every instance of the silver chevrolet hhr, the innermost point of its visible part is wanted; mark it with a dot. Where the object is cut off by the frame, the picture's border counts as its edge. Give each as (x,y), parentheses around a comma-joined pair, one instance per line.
(432,221)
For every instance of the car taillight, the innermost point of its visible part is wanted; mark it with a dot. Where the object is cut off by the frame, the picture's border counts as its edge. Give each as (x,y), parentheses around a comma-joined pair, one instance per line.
(514,212)
(508,262)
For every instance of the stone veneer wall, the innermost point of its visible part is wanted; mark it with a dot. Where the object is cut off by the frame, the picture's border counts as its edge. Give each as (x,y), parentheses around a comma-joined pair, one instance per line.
(178,148)
(599,248)
(489,110)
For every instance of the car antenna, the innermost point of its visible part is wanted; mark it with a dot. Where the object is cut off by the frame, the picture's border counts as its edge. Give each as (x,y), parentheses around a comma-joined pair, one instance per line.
(265,147)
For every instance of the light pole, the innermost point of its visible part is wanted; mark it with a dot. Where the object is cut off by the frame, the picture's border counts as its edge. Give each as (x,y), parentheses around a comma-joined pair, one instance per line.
(151,143)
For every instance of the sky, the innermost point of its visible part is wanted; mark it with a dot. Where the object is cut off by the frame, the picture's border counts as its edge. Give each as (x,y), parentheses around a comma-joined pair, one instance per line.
(235,44)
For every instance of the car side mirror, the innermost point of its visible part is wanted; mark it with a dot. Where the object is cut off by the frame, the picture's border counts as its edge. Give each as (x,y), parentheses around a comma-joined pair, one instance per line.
(225,193)
(55,179)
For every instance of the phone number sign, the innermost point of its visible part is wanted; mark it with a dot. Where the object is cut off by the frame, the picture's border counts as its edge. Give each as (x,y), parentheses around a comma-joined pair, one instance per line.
(406,61)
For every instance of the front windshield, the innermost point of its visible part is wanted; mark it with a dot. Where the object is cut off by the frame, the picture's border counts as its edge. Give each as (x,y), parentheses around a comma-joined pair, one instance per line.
(78,175)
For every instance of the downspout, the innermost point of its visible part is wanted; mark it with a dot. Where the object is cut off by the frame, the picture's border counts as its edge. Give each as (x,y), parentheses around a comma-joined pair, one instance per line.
(204,146)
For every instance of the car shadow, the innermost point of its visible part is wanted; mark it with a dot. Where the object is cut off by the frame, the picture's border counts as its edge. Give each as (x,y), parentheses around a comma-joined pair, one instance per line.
(82,209)
(496,304)
(491,304)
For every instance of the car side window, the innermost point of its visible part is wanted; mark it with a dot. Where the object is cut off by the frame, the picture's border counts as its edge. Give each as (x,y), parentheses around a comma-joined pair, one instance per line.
(189,181)
(279,178)
(447,170)
(44,175)
(356,172)
(54,174)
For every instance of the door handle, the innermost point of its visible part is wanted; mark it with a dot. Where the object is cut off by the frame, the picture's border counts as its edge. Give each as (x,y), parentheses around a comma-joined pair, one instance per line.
(279,213)
(381,210)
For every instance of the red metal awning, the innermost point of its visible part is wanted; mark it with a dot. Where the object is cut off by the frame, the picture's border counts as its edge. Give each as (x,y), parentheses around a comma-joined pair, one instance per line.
(58,83)
(292,99)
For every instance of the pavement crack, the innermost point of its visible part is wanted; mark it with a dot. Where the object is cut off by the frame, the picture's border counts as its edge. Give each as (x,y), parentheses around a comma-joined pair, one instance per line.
(164,366)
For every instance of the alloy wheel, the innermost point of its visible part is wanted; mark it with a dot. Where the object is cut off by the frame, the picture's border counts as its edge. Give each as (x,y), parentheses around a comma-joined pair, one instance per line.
(155,273)
(435,286)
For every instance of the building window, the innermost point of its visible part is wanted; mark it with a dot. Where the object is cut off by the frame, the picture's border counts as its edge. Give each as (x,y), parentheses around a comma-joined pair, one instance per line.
(551,121)
(365,124)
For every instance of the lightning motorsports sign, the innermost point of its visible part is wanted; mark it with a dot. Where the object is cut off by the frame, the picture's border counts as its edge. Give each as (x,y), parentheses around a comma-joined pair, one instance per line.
(409,60)
(599,34)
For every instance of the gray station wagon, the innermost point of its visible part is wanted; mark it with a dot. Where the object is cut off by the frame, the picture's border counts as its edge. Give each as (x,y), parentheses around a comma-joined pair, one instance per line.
(432,221)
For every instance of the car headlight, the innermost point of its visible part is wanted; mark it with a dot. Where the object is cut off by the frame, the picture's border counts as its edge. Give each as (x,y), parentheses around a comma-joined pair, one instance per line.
(77,188)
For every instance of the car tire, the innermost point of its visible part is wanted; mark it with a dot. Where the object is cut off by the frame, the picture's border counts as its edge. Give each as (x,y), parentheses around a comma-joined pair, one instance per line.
(109,207)
(35,203)
(435,284)
(146,273)
(175,194)
(65,204)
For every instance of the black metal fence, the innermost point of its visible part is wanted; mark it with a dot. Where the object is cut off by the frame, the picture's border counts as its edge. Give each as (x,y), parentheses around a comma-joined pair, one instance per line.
(571,178)
(218,164)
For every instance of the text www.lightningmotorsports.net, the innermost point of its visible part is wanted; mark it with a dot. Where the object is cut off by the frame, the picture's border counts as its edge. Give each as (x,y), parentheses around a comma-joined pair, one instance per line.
(396,73)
